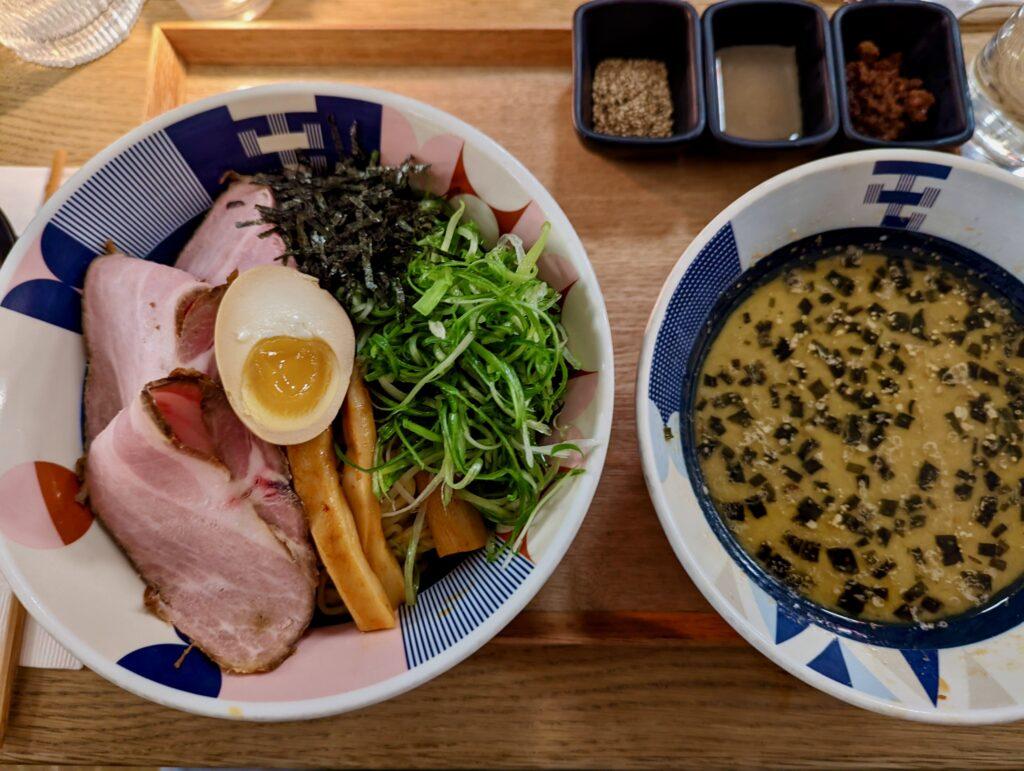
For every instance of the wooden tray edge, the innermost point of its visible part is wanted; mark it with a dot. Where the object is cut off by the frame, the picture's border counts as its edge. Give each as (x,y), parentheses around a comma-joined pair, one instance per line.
(175,46)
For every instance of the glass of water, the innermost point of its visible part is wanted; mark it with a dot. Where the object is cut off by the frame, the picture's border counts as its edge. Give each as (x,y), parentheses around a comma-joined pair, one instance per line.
(237,10)
(64,33)
(997,92)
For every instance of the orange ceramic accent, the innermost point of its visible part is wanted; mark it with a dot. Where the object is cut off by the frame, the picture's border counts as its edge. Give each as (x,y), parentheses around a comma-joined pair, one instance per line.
(460,185)
(60,487)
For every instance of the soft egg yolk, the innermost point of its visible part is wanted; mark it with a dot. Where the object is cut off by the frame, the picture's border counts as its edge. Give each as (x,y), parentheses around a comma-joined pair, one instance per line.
(287,376)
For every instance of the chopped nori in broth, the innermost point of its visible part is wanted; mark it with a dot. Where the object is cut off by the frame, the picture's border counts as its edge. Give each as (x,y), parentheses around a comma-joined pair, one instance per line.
(881,441)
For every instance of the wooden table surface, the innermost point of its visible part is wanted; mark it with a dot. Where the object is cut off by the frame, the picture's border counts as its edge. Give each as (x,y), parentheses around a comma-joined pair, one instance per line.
(712,701)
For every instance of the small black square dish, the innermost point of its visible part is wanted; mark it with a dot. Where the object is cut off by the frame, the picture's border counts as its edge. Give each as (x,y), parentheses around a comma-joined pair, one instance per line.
(769,74)
(926,38)
(665,31)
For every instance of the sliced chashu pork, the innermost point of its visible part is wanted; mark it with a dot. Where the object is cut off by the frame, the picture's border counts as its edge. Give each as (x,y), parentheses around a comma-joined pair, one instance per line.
(204,511)
(219,247)
(141,321)
(263,471)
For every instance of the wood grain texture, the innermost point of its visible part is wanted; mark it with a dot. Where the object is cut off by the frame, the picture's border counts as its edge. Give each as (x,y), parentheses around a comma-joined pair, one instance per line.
(643,672)
(165,81)
(580,707)
(312,44)
(567,627)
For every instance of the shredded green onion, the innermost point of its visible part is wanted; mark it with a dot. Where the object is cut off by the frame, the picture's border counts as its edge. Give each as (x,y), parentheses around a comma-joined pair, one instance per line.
(467,383)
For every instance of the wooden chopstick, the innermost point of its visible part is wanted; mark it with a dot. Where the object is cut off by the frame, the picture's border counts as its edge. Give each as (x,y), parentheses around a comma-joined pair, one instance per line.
(14,629)
(9,656)
(60,157)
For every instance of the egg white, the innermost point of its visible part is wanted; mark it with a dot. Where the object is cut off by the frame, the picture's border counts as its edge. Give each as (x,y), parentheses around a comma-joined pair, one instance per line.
(271,301)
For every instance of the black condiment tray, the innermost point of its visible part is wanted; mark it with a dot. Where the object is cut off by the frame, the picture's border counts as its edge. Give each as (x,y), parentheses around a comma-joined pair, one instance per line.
(927,35)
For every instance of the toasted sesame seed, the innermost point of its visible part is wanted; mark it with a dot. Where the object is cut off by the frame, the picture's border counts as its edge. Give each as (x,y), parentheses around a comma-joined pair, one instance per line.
(632,98)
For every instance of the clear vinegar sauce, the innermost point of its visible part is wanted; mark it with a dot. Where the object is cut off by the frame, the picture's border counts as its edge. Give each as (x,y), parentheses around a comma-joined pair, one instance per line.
(859,423)
(759,92)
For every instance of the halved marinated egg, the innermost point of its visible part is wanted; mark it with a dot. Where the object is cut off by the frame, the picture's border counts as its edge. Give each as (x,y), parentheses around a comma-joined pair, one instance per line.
(284,350)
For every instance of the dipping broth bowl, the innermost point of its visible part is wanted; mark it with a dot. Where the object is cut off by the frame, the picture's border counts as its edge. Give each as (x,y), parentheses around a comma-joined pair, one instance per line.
(963,669)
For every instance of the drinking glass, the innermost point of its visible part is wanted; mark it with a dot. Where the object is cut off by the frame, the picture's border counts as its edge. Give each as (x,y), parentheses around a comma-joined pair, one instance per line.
(238,10)
(64,33)
(997,92)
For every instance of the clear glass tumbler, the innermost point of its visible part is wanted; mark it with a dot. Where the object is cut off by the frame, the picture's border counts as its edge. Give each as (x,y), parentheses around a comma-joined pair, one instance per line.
(997,92)
(237,10)
(65,33)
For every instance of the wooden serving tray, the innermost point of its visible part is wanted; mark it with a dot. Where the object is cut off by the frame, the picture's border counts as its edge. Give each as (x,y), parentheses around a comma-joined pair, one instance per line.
(620,581)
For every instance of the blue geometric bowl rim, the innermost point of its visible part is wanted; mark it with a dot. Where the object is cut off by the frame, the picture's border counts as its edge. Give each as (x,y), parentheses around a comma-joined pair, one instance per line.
(665,509)
(573,512)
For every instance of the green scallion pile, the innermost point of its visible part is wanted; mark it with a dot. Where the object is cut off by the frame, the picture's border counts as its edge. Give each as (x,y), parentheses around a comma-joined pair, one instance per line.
(461,345)
(467,380)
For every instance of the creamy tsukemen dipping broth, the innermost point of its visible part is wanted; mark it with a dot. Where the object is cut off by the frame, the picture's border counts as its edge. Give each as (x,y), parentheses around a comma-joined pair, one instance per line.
(859,423)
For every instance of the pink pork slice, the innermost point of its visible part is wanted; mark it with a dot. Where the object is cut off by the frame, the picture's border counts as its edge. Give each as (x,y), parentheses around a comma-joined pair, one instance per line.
(141,321)
(219,247)
(205,513)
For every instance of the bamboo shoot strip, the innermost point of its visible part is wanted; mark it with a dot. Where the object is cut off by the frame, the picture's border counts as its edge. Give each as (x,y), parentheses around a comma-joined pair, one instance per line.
(315,477)
(361,442)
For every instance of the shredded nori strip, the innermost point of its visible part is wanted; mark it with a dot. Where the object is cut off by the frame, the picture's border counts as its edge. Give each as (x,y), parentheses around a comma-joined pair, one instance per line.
(914,592)
(733,511)
(782,349)
(842,559)
(927,475)
(741,416)
(354,227)
(853,598)
(796,406)
(931,604)
(785,432)
(986,510)
(963,491)
(883,570)
(792,473)
(904,612)
(705,449)
(803,547)
(950,548)
(808,510)
(756,507)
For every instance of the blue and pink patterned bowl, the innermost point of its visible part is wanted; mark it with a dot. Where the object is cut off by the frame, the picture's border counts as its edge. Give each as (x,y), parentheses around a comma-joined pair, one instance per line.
(969,669)
(147,192)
